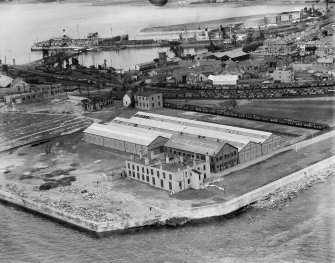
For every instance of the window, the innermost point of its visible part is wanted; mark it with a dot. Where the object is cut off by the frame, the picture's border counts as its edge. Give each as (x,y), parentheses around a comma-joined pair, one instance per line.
(220,158)
(163,175)
(138,175)
(147,171)
(153,180)
(162,183)
(159,104)
(128,165)
(188,181)
(152,172)
(133,167)
(138,168)
(134,174)
(170,185)
(129,172)
(142,169)
(147,178)
(143,177)
(153,105)
(204,167)
(180,186)
(158,173)
(170,176)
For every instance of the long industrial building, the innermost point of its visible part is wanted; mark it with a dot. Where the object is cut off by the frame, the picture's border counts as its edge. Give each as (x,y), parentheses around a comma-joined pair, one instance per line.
(250,143)
(127,139)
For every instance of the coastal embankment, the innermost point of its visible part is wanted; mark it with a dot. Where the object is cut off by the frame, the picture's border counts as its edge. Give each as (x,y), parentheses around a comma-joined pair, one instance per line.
(272,191)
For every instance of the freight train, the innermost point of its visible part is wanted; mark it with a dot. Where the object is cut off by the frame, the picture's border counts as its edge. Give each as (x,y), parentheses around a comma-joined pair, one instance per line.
(249,116)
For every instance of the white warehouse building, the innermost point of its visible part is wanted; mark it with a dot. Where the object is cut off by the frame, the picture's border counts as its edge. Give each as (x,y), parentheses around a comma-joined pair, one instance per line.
(250,143)
(127,139)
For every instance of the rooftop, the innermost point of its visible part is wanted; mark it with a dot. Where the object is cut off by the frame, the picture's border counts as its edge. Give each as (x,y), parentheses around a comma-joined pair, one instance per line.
(5,81)
(194,144)
(231,53)
(122,133)
(226,128)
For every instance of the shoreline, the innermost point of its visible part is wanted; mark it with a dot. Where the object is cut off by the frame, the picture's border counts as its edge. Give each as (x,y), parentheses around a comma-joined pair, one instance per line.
(267,196)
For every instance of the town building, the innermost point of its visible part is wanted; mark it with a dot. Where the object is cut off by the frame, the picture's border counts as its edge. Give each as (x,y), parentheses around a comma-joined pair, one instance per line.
(22,97)
(283,75)
(222,155)
(224,79)
(126,139)
(147,100)
(9,85)
(95,103)
(279,47)
(128,99)
(324,64)
(52,89)
(170,174)
(254,23)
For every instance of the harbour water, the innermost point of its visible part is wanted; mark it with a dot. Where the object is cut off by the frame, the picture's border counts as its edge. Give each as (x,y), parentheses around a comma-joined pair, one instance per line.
(23,24)
(303,230)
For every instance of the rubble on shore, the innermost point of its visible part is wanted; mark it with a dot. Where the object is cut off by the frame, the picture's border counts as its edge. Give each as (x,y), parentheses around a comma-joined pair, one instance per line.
(290,191)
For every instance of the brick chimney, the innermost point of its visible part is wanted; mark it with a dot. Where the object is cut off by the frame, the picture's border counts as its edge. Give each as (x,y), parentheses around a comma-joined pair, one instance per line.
(167,159)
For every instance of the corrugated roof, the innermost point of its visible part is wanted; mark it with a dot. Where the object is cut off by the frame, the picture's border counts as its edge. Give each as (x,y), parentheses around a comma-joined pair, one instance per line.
(122,134)
(231,53)
(252,135)
(5,81)
(137,129)
(195,144)
(206,133)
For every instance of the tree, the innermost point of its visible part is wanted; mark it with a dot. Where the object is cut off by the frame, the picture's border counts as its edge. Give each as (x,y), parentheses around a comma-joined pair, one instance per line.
(249,38)
(234,39)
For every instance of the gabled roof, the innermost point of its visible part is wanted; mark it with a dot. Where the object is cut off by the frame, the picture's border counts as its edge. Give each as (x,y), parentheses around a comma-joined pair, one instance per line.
(231,53)
(196,145)
(5,81)
(126,133)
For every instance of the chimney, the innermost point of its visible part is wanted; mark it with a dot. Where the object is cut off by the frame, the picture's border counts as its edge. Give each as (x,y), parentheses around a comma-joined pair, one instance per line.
(146,160)
(131,157)
(167,159)
(152,155)
(14,61)
(181,159)
(194,163)
(141,155)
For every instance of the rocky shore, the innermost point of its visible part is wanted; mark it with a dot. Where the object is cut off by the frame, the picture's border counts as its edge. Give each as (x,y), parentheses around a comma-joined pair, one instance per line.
(279,197)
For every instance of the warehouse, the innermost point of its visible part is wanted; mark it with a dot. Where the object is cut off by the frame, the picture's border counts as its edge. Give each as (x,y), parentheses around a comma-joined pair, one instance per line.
(222,155)
(250,143)
(127,139)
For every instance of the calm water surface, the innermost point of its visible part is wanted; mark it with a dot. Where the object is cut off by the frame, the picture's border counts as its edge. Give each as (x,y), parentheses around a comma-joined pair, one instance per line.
(23,24)
(303,231)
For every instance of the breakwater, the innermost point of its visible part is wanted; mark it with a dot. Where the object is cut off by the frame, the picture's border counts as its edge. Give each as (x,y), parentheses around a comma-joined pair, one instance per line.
(189,214)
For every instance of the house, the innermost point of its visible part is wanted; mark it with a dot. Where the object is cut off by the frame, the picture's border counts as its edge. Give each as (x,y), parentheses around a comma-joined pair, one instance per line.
(283,75)
(128,99)
(12,86)
(22,97)
(52,89)
(147,100)
(224,79)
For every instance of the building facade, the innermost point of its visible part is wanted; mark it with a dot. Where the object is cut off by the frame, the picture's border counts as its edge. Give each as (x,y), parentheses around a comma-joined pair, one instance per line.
(174,174)
(283,75)
(148,100)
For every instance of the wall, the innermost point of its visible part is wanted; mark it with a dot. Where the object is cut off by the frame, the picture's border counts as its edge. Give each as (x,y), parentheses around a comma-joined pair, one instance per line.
(241,201)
